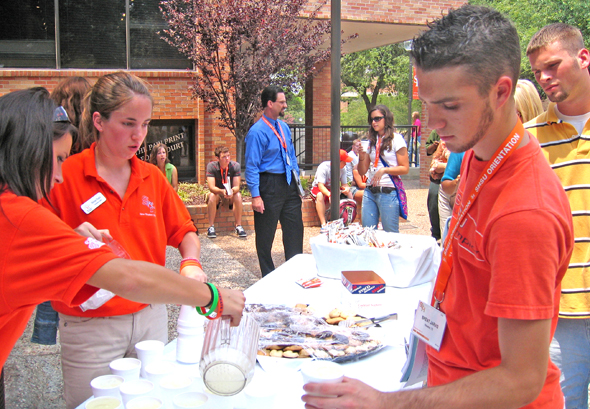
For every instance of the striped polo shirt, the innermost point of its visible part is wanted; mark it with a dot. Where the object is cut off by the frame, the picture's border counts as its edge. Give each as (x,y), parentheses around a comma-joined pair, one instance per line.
(568,154)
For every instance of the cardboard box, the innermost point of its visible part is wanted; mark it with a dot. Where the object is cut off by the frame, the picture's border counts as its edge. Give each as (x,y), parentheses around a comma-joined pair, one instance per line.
(363,282)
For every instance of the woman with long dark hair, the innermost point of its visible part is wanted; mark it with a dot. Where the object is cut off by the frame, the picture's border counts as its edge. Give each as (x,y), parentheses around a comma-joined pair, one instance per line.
(386,159)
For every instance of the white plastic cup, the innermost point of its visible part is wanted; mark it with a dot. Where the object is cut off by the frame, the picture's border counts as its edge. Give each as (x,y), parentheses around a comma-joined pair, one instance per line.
(322,372)
(148,352)
(128,368)
(191,333)
(106,385)
(261,392)
(189,400)
(365,144)
(134,389)
(156,371)
(145,402)
(104,402)
(172,385)
(219,402)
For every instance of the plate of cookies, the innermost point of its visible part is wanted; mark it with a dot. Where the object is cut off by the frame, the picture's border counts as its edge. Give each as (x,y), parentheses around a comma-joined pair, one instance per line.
(298,333)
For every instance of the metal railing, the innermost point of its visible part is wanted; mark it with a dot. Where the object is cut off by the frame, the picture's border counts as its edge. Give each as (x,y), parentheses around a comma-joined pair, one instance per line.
(303,137)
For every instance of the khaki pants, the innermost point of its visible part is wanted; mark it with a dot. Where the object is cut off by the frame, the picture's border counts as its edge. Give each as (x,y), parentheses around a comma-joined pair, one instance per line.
(88,345)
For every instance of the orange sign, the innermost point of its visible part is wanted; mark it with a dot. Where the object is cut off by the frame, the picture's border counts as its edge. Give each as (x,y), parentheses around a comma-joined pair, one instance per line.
(414,84)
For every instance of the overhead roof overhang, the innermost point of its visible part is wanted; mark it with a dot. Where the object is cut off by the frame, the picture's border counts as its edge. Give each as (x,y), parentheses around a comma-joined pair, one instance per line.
(372,35)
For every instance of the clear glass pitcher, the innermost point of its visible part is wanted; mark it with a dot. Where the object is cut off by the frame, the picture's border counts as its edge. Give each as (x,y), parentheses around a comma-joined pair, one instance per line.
(228,358)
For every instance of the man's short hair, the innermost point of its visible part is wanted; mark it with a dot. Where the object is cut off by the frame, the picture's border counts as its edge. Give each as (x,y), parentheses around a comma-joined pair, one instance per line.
(221,149)
(270,94)
(479,38)
(570,38)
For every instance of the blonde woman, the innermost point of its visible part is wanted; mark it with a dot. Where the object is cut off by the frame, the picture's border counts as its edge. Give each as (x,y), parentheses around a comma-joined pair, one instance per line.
(528,102)
(110,188)
(159,157)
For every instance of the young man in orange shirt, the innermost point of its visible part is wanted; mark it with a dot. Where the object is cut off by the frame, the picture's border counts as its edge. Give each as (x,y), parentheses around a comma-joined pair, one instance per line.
(510,238)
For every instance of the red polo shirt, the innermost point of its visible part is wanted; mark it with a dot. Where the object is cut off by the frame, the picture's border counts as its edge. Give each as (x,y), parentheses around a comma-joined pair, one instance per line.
(148,217)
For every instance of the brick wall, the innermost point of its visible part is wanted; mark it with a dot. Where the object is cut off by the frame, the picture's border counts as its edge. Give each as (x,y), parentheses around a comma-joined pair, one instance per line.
(172,100)
(393,11)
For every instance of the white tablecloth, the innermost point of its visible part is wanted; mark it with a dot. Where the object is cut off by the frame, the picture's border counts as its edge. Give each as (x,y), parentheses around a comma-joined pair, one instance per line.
(382,370)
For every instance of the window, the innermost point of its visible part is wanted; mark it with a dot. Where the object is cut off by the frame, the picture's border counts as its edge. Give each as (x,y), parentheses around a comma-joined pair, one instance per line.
(148,50)
(179,137)
(92,34)
(27,34)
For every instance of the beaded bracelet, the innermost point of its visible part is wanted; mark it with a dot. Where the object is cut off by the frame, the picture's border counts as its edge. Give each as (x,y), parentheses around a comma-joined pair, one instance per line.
(202,310)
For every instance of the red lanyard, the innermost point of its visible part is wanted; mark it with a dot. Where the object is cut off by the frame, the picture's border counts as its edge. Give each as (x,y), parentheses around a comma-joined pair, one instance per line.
(224,179)
(282,140)
(377,151)
(506,149)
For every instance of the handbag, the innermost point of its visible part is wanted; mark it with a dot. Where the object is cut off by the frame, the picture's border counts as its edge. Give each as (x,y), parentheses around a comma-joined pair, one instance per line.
(400,191)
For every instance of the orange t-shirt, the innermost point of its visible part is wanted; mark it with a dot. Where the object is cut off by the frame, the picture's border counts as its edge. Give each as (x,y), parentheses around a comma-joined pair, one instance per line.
(148,217)
(41,258)
(509,256)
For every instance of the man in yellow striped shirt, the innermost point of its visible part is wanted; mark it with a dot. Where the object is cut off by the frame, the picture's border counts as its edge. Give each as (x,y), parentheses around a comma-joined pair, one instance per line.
(560,63)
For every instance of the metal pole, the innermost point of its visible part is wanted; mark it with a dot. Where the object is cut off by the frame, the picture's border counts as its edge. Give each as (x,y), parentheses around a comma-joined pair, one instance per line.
(335,99)
(410,89)
(127,36)
(57,41)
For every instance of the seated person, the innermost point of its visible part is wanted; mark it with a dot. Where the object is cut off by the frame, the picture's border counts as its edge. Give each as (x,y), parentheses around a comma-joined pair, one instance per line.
(223,179)
(320,189)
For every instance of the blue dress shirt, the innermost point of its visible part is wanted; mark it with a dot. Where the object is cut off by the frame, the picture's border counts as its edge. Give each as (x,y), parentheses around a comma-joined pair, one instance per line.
(263,152)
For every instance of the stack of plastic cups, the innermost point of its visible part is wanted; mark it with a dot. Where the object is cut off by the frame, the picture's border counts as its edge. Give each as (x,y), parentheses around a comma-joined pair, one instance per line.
(190,335)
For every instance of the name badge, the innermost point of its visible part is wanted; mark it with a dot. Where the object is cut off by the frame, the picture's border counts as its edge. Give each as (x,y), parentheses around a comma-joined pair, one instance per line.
(91,204)
(429,324)
(227,187)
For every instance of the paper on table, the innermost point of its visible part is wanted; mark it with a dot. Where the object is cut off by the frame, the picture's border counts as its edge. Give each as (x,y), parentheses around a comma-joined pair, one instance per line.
(416,368)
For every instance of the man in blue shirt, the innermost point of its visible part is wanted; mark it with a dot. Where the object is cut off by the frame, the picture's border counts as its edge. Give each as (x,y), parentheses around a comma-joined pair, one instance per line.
(272,174)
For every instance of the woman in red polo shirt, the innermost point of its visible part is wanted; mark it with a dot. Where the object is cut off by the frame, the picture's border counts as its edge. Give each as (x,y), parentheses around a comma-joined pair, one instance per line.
(41,258)
(107,186)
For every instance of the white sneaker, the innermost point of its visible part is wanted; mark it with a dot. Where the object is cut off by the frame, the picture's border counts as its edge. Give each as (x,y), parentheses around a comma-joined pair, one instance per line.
(240,231)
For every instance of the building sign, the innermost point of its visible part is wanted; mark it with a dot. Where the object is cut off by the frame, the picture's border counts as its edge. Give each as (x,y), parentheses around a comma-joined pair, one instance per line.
(179,137)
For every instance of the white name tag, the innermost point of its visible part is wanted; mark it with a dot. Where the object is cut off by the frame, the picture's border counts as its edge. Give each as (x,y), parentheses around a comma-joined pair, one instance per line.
(228,188)
(91,204)
(429,324)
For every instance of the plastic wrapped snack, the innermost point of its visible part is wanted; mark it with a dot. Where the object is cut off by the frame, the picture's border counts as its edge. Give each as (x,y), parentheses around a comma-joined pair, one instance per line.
(288,332)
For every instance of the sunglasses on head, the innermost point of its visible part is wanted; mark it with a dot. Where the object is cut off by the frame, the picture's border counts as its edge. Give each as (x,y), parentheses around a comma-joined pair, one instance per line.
(60,115)
(377,118)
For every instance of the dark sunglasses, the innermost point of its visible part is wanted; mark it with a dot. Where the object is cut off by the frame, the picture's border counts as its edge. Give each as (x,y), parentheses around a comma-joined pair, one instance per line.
(60,115)
(377,118)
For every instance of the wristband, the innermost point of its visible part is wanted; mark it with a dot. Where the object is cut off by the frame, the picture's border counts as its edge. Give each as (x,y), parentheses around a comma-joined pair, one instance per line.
(190,262)
(212,297)
(219,310)
(202,310)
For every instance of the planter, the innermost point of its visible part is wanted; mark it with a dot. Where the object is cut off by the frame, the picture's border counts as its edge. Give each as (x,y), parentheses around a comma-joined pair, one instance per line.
(224,219)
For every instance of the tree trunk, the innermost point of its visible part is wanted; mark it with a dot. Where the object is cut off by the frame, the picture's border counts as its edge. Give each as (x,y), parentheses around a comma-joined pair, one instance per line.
(240,149)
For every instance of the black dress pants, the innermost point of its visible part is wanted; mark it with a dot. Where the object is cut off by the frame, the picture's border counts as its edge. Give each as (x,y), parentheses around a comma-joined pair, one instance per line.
(281,203)
(432,203)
